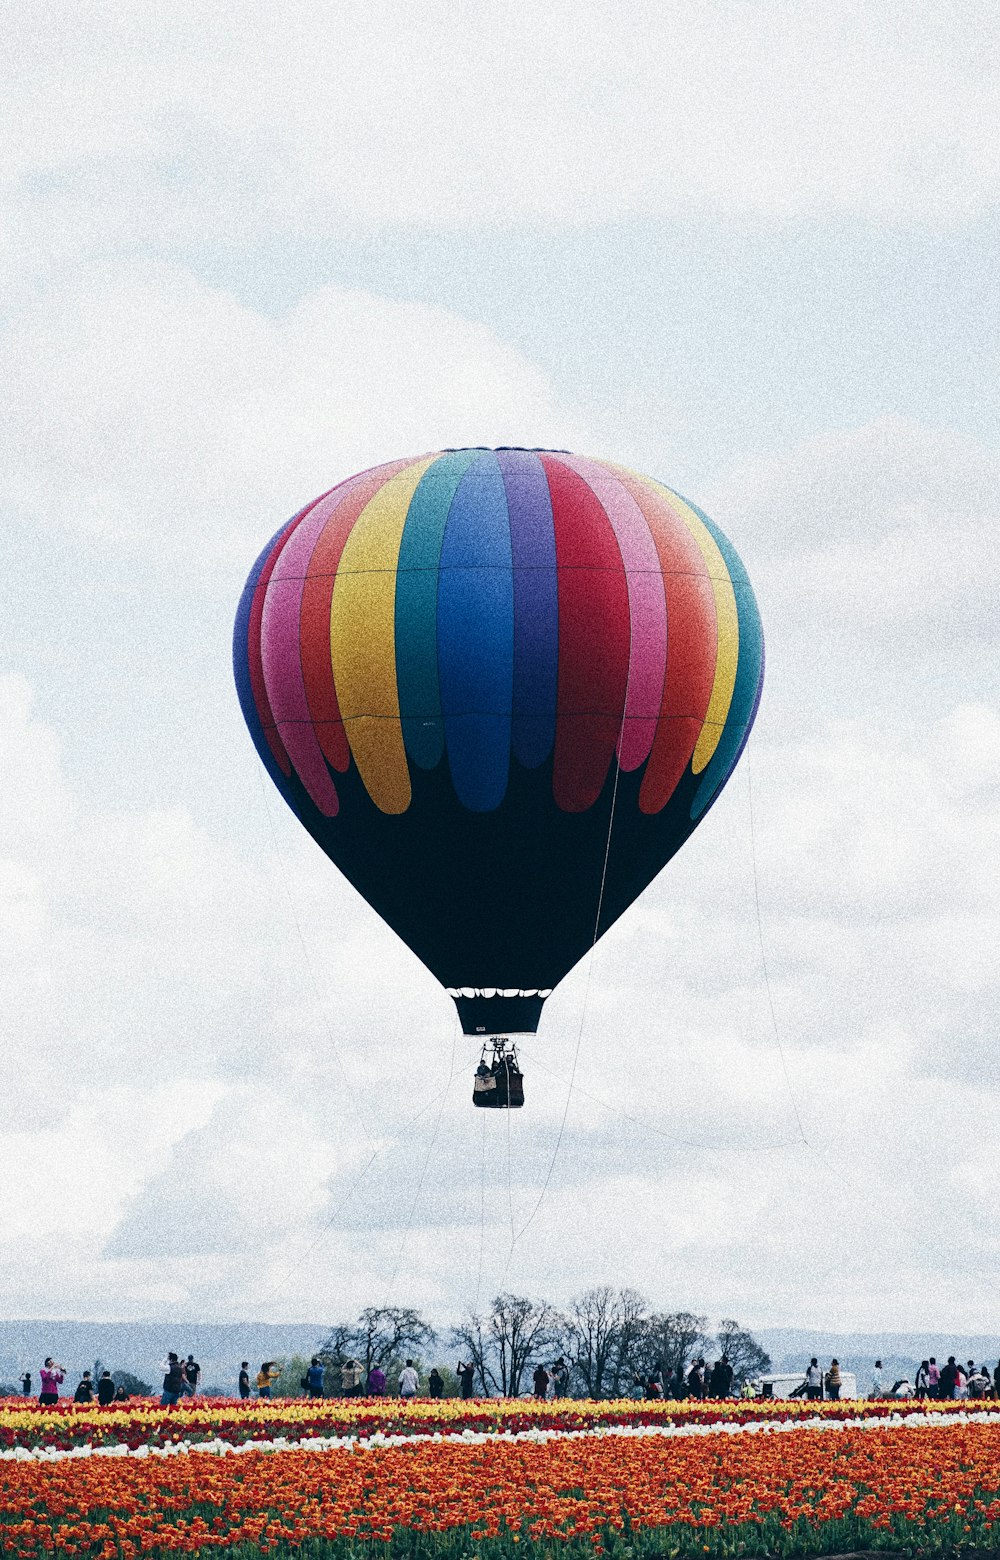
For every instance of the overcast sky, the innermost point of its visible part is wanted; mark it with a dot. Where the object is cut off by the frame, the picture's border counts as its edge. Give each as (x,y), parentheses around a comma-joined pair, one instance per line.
(751,248)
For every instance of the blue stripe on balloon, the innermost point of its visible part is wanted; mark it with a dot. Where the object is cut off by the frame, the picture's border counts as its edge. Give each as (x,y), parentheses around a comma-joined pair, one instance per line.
(749,676)
(241,665)
(416,607)
(475,636)
(536,606)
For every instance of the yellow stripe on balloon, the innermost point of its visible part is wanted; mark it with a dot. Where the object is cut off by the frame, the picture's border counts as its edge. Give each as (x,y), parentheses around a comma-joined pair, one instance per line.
(727,624)
(363,641)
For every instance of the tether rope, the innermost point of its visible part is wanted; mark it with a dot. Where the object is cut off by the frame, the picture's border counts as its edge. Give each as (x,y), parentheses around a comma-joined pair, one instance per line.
(321,1000)
(763,955)
(426,1165)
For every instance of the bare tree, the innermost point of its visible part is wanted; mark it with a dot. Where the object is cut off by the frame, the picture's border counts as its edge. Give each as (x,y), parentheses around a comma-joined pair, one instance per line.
(744,1353)
(336,1348)
(520,1328)
(475,1346)
(670,1339)
(602,1329)
(381,1335)
(631,1332)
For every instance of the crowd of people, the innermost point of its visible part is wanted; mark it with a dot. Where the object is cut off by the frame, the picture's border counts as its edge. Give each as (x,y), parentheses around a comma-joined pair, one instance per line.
(699,1379)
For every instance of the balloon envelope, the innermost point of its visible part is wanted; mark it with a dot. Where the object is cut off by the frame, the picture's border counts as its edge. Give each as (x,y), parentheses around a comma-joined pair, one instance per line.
(500,688)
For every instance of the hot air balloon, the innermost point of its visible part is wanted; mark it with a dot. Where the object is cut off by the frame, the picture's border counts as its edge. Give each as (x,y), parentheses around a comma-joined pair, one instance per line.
(500,688)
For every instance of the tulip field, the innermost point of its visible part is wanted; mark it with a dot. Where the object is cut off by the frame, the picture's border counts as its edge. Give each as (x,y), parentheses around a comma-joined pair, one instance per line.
(491,1480)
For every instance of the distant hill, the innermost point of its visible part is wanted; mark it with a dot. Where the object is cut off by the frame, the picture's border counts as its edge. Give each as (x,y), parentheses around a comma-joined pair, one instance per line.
(139,1347)
(900,1353)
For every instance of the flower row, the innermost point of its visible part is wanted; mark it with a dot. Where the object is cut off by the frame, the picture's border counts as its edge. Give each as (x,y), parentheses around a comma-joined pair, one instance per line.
(143,1422)
(689,1495)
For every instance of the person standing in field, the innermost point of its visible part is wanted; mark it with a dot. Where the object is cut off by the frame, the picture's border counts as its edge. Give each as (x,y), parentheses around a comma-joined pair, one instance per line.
(244,1384)
(105,1389)
(933,1378)
(85,1389)
(541,1382)
(376,1381)
(435,1383)
(52,1378)
(877,1387)
(814,1381)
(192,1374)
(351,1376)
(268,1374)
(833,1381)
(315,1378)
(174,1382)
(26,1383)
(466,1371)
(408,1381)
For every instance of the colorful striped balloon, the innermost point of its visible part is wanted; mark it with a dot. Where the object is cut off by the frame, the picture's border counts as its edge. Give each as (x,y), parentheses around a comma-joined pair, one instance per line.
(454,666)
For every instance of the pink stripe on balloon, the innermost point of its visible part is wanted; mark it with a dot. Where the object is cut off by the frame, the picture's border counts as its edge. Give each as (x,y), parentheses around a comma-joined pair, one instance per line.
(279,640)
(647,609)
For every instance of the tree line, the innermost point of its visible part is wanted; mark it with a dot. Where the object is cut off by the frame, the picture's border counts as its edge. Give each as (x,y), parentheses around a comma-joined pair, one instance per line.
(609,1339)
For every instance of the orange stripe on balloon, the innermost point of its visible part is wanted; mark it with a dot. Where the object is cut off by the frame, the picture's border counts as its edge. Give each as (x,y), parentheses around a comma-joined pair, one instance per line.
(314,614)
(691,645)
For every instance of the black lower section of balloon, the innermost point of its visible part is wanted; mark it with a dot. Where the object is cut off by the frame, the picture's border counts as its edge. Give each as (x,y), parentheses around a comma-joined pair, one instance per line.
(499,1015)
(505,899)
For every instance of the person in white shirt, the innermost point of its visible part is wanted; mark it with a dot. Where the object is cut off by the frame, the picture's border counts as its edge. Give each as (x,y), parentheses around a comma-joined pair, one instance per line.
(876,1387)
(408,1381)
(814,1380)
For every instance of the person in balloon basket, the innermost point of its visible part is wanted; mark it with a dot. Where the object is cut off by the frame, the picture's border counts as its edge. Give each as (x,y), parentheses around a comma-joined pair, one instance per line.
(53,1376)
(174,1382)
(376,1381)
(408,1380)
(244,1379)
(465,1371)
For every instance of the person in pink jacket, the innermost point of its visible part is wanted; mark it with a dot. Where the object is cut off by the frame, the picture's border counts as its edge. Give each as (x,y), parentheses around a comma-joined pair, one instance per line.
(52,1376)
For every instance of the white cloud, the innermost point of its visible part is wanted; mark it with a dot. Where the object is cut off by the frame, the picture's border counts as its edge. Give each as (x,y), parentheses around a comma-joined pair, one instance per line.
(153,413)
(171,122)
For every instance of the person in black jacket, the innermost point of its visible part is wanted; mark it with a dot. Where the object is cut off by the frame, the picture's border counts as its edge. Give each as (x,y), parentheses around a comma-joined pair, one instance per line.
(466,1372)
(435,1383)
(245,1379)
(948,1380)
(174,1382)
(85,1391)
(105,1389)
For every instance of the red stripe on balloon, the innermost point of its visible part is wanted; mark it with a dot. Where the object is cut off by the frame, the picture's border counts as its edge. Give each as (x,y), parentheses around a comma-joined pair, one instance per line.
(692,637)
(314,614)
(255,657)
(593,639)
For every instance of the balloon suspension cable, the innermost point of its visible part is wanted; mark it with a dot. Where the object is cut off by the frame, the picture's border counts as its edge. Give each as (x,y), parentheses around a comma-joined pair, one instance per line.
(320,999)
(426,1165)
(382,1153)
(583,1012)
(482,1223)
(763,955)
